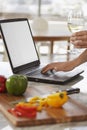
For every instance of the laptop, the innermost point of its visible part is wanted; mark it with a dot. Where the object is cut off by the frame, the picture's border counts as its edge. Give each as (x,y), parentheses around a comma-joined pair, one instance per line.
(23,55)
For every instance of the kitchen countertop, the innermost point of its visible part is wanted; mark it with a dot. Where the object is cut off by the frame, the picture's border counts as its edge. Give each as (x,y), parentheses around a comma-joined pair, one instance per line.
(81,97)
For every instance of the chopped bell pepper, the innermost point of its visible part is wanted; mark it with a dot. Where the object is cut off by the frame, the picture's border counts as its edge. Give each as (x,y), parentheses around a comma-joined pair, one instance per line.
(23,111)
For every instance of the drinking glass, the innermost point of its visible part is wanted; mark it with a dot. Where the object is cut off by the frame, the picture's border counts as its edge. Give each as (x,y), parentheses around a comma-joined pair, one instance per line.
(75,22)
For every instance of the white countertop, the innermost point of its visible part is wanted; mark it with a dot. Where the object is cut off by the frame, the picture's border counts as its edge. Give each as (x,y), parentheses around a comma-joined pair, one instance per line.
(6,125)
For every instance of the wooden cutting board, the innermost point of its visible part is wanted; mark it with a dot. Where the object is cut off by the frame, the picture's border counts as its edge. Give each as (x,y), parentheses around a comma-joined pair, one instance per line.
(71,111)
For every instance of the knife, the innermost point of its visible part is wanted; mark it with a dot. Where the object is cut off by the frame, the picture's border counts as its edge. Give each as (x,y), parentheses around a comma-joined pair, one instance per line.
(71,91)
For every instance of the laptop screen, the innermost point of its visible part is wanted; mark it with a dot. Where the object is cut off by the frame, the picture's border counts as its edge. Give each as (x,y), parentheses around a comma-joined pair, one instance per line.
(19,42)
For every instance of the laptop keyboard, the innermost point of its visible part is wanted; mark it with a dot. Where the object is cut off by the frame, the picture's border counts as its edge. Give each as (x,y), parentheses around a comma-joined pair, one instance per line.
(38,72)
(34,71)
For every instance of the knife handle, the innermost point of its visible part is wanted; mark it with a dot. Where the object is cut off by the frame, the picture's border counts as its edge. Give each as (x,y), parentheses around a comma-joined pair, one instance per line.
(72,91)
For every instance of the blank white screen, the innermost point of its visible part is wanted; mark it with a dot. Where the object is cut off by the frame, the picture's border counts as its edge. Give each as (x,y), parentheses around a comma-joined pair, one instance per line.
(19,42)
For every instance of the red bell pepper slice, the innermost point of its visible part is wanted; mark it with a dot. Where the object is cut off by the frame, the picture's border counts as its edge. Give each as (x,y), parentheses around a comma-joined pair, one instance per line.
(21,111)
(14,112)
(26,108)
(25,113)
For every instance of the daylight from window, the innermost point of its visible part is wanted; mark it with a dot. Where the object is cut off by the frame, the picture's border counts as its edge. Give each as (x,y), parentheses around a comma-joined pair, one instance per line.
(47,8)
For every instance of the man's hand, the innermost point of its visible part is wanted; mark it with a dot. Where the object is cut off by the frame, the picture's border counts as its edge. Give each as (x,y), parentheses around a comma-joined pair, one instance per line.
(61,66)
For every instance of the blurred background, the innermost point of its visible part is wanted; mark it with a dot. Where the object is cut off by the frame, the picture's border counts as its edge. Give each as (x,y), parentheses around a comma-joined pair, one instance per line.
(51,10)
